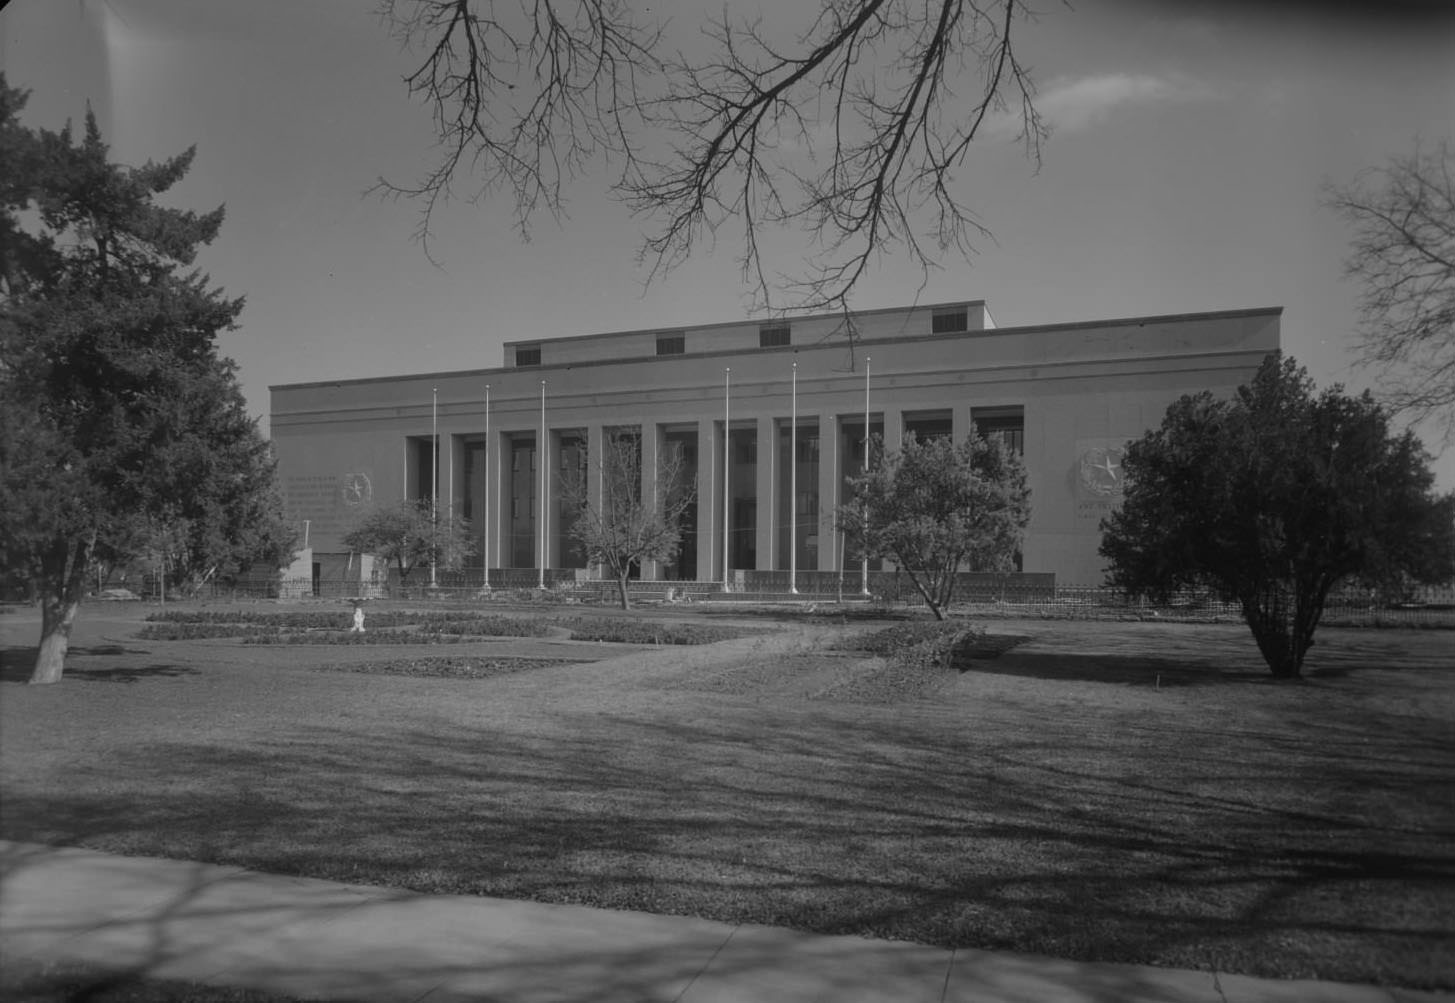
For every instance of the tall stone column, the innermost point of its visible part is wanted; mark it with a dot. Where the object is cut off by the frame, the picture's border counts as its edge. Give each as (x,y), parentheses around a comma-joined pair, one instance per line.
(651,439)
(595,452)
(709,497)
(830,476)
(893,427)
(766,494)
(961,427)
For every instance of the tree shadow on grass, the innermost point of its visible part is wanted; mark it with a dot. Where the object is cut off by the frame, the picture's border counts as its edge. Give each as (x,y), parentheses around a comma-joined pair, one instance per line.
(1198,660)
(130,673)
(1122,670)
(17,662)
(1059,840)
(1284,833)
(106,649)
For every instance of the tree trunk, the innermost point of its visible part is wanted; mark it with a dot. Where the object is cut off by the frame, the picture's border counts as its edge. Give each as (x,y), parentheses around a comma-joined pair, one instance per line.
(60,600)
(621,585)
(926,589)
(1278,651)
(1279,635)
(57,615)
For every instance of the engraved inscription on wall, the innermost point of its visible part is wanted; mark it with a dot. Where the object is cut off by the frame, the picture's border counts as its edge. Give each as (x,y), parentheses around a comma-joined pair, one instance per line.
(332,503)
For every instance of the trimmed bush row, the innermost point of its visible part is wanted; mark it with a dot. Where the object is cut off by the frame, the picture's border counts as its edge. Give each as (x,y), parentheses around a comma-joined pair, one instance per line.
(447,666)
(200,631)
(369,637)
(495,626)
(622,631)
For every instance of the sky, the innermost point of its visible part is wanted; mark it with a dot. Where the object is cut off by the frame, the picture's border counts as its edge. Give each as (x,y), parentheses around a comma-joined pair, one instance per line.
(1190,140)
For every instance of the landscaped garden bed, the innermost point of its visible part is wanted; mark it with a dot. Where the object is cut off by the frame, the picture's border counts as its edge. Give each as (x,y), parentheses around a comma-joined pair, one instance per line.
(421,627)
(448,667)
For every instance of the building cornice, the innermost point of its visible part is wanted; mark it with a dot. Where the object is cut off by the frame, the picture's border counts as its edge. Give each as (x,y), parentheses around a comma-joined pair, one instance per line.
(860,344)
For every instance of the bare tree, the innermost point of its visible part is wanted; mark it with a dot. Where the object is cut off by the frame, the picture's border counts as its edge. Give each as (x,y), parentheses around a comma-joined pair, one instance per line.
(1403,251)
(624,527)
(851,133)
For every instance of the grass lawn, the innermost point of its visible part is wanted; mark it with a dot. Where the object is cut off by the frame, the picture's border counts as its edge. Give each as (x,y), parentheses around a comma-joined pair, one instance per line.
(1133,792)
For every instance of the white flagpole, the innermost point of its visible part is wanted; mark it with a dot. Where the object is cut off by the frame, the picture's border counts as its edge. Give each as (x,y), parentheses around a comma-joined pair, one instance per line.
(864,566)
(485,491)
(793,488)
(434,488)
(837,552)
(543,459)
(727,377)
(450,492)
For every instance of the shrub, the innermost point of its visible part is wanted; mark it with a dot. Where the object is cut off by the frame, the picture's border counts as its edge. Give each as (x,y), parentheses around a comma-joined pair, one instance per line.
(495,626)
(199,631)
(920,643)
(447,666)
(346,637)
(622,631)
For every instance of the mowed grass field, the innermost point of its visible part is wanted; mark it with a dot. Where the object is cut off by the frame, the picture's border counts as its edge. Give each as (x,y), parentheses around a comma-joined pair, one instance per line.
(1132,792)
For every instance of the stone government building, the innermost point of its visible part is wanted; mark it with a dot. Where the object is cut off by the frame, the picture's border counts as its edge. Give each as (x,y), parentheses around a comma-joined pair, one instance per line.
(1067,396)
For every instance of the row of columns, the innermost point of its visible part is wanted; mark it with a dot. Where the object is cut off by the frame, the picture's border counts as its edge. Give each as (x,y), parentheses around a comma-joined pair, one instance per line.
(711,510)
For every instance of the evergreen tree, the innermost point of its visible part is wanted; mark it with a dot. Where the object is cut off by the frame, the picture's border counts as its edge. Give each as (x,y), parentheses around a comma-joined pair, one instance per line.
(123,422)
(1272,499)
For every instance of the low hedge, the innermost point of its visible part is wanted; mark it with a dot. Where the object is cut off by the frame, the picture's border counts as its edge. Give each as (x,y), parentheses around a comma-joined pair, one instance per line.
(623,631)
(200,631)
(446,666)
(348,637)
(497,626)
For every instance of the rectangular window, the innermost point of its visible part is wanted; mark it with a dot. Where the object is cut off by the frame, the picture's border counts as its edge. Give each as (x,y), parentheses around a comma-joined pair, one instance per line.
(951,321)
(927,425)
(745,447)
(528,356)
(797,512)
(1005,423)
(681,447)
(523,484)
(422,465)
(774,335)
(671,344)
(741,518)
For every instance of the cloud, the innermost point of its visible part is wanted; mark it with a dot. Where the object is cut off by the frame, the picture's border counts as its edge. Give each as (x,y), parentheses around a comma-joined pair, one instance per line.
(1074,105)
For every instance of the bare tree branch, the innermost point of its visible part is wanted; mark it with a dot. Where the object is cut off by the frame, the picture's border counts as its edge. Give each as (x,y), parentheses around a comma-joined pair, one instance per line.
(852,135)
(524,95)
(1403,251)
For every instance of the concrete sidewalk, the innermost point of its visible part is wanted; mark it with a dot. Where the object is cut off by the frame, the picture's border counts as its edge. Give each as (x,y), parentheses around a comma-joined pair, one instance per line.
(174,919)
